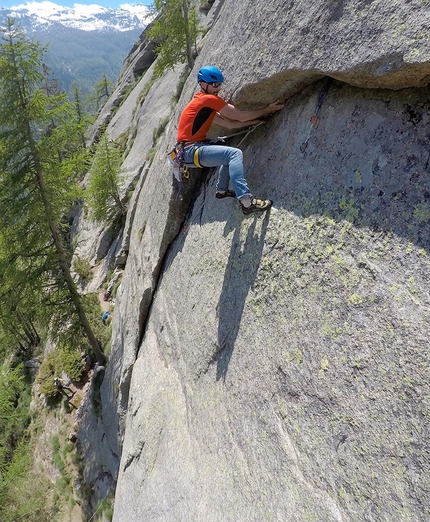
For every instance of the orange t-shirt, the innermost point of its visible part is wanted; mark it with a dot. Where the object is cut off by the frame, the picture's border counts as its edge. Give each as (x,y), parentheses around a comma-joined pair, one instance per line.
(198,115)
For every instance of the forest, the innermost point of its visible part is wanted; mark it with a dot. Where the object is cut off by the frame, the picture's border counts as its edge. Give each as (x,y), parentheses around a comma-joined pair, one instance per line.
(83,57)
(48,172)
(43,161)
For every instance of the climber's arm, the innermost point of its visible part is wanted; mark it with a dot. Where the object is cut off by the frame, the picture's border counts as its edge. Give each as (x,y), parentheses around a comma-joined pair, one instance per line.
(232,113)
(231,124)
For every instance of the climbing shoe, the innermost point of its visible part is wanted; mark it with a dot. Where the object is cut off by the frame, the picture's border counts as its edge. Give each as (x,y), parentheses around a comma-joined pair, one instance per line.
(257,205)
(225,194)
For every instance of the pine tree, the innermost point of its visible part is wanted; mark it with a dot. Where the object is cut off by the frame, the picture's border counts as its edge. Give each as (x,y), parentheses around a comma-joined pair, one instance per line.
(103,193)
(41,161)
(102,91)
(176,27)
(23,492)
(11,383)
(82,119)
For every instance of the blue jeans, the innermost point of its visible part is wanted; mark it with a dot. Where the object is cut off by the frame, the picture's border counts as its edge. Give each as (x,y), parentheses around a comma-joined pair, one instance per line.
(230,161)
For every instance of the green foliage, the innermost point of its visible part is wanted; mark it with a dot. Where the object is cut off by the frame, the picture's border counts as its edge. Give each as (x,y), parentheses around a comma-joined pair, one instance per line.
(94,314)
(41,161)
(176,29)
(70,361)
(103,192)
(63,359)
(160,129)
(63,490)
(144,92)
(68,448)
(11,382)
(82,119)
(83,268)
(45,377)
(15,453)
(55,441)
(179,88)
(19,478)
(122,140)
(115,288)
(56,457)
(105,508)
(102,91)
(151,154)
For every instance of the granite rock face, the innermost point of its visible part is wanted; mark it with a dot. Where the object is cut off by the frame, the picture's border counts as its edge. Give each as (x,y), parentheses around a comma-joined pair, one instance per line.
(283,372)
(273,49)
(276,367)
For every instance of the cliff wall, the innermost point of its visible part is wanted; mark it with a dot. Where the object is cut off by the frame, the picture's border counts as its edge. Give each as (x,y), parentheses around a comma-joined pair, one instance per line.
(276,367)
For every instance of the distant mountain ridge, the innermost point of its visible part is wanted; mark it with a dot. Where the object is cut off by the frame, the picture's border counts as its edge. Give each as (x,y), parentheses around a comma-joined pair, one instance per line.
(38,15)
(85,42)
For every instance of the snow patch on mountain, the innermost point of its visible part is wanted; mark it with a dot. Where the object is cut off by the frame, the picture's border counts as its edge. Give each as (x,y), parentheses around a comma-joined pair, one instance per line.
(85,17)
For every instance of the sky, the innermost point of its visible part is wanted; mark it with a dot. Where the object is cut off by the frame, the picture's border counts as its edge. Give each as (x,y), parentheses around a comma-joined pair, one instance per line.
(115,4)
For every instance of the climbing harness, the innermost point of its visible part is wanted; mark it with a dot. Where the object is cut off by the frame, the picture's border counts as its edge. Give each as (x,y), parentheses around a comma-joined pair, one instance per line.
(180,169)
(177,163)
(313,119)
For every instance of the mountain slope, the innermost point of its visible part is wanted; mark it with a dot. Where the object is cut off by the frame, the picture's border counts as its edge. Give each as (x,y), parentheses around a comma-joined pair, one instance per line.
(83,57)
(85,42)
(35,15)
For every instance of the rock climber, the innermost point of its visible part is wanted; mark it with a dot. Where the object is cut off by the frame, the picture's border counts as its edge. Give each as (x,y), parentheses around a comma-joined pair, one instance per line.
(208,107)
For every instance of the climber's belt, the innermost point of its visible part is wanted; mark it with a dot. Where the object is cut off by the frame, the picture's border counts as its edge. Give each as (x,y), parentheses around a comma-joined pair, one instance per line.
(196,161)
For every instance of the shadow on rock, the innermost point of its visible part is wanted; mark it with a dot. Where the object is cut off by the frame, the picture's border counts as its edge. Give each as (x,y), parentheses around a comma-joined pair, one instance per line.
(240,273)
(366,161)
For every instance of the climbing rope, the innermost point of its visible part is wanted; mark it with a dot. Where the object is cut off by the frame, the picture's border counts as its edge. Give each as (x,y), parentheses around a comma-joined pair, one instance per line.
(246,131)
(252,129)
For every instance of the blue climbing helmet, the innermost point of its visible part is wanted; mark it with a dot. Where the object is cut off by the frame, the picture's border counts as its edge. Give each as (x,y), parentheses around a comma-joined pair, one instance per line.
(209,74)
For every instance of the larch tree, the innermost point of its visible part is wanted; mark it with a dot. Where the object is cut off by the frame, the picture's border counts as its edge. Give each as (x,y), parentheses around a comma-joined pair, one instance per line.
(102,91)
(175,28)
(81,117)
(41,160)
(104,186)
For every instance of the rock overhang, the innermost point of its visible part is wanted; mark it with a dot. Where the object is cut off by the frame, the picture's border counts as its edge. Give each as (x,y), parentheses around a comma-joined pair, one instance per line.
(272,50)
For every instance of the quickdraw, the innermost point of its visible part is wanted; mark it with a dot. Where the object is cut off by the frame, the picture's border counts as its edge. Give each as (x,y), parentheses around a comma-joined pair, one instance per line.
(313,118)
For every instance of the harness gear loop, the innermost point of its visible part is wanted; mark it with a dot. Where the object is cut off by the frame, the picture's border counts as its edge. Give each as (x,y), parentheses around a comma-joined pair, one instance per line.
(180,169)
